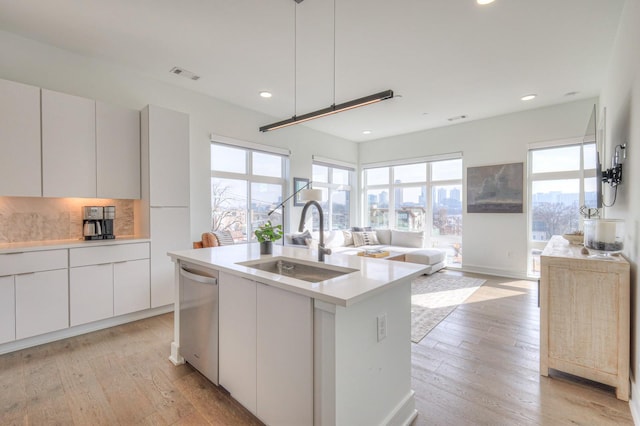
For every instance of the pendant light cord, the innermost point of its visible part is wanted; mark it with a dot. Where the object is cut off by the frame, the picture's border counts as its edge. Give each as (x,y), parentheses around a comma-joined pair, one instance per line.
(334,52)
(295,59)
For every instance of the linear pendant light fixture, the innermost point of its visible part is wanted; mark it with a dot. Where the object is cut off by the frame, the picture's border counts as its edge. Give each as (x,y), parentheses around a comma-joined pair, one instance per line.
(333,109)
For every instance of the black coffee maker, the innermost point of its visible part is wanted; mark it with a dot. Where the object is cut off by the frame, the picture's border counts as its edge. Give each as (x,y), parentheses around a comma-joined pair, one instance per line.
(107,222)
(92,222)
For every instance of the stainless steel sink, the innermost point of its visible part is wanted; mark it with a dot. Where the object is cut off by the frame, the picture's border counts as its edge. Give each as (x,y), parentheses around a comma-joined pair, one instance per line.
(298,269)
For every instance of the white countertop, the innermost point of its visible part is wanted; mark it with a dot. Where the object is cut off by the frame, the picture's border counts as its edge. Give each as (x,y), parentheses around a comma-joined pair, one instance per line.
(65,244)
(373,276)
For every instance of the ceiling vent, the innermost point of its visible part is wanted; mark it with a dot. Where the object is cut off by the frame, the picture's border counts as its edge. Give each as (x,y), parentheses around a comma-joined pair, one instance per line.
(184,73)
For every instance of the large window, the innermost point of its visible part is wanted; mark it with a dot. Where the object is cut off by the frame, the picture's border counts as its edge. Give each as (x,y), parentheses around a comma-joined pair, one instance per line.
(419,196)
(246,185)
(561,179)
(335,183)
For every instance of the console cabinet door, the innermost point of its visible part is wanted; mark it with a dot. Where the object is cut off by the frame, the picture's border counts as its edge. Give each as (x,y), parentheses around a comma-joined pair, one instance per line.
(91,293)
(20,159)
(237,336)
(42,302)
(131,291)
(284,357)
(7,309)
(117,151)
(68,145)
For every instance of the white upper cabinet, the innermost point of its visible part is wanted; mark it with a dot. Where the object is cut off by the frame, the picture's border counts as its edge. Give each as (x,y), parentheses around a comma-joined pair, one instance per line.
(118,152)
(68,145)
(165,137)
(20,164)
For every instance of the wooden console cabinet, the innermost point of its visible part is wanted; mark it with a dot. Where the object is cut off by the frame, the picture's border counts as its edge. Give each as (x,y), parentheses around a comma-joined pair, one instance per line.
(584,315)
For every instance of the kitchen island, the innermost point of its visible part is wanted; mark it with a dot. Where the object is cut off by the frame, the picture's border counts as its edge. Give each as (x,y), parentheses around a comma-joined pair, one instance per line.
(291,351)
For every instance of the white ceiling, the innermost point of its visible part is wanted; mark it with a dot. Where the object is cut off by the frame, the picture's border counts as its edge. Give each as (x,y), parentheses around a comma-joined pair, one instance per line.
(445,57)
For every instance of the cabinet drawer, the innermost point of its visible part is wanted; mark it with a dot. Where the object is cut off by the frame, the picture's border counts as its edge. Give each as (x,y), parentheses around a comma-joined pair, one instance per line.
(108,254)
(32,261)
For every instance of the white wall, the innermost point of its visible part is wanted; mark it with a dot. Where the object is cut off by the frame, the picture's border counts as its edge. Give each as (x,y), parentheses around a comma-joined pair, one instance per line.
(621,97)
(492,243)
(44,66)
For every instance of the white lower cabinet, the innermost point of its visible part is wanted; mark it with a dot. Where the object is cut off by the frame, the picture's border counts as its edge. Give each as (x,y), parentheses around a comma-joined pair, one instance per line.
(42,302)
(131,292)
(266,350)
(90,293)
(7,309)
(237,351)
(108,280)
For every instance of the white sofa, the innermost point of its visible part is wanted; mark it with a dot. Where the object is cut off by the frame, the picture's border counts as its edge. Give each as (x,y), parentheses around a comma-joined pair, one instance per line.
(396,242)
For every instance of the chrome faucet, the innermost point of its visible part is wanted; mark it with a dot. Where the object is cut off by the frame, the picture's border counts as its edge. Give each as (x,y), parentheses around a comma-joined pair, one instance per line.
(321,250)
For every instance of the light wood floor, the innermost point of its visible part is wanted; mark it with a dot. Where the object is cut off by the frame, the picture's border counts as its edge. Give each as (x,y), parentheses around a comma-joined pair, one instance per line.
(479,366)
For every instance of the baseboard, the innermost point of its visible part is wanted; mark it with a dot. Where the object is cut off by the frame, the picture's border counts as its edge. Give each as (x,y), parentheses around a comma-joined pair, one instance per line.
(404,413)
(82,329)
(495,272)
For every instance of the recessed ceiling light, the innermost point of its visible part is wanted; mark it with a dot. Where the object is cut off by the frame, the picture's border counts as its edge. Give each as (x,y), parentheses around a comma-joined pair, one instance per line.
(528,97)
(483,2)
(366,132)
(265,94)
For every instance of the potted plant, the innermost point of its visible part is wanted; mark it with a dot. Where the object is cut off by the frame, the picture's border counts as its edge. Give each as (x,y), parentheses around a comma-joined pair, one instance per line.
(266,235)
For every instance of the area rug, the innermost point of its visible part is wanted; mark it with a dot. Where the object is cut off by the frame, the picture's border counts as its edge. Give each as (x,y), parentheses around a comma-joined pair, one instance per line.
(433,297)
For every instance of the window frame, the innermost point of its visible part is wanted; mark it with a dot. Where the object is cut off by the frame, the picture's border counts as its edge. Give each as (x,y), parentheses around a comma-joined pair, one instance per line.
(333,187)
(250,179)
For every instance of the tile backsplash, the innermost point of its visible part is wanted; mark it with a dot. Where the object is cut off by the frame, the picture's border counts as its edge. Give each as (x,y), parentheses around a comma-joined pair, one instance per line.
(41,219)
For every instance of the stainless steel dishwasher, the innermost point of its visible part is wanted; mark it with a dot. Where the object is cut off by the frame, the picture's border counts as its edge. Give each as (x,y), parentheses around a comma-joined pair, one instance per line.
(199,319)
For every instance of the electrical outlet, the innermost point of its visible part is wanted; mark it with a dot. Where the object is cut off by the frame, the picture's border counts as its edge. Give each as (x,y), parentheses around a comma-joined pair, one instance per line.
(382,327)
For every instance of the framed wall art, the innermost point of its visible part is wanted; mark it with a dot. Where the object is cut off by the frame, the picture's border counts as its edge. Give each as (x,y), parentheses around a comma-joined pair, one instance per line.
(495,189)
(298,184)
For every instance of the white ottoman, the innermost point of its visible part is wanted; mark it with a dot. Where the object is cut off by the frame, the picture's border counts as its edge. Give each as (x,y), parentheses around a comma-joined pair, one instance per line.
(434,258)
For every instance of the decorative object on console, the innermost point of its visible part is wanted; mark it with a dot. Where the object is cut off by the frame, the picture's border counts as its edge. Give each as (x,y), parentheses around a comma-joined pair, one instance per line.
(495,189)
(604,237)
(575,238)
(266,235)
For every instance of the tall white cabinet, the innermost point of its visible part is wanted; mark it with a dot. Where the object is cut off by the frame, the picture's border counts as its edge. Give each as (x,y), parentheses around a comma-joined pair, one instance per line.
(20,163)
(165,194)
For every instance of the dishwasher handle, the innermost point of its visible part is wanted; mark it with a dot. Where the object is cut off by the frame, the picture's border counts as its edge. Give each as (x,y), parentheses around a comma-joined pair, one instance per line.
(198,278)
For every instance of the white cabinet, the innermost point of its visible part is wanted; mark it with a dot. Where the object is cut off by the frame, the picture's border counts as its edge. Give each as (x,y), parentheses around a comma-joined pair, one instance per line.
(165,192)
(266,350)
(238,341)
(68,145)
(165,139)
(42,302)
(7,309)
(169,231)
(41,290)
(131,291)
(285,357)
(90,293)
(108,280)
(20,160)
(117,151)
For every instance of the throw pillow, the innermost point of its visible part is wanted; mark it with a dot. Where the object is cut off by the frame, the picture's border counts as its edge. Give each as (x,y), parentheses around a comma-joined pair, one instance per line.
(224,237)
(365,239)
(384,236)
(300,239)
(348,238)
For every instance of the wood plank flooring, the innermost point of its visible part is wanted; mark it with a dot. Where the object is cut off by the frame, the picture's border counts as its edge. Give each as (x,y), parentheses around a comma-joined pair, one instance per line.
(477,367)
